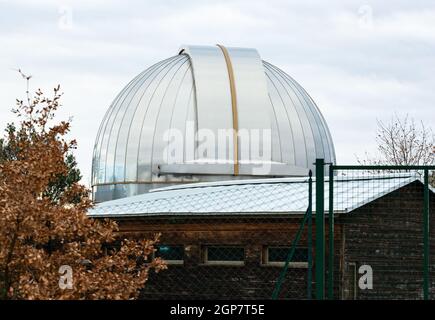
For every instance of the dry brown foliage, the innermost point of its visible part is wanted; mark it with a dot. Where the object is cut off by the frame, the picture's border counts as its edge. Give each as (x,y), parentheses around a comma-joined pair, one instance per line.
(38,234)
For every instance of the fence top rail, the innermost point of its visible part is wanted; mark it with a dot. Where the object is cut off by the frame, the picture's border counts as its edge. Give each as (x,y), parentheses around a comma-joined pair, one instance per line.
(383,167)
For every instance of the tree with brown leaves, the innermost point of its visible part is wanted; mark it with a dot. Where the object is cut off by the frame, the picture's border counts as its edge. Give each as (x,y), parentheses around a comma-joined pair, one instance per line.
(45,240)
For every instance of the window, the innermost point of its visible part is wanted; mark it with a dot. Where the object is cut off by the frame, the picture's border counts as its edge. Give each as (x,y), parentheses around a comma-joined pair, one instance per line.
(277,256)
(224,255)
(170,254)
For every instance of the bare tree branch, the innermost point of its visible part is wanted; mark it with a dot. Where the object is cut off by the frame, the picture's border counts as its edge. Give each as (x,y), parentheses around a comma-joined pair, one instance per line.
(402,142)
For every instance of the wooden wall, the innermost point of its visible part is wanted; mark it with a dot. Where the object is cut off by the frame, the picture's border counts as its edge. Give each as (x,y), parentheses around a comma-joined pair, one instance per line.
(386,234)
(196,280)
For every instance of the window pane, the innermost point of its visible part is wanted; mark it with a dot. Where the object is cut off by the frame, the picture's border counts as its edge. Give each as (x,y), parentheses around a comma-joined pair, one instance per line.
(170,252)
(279,254)
(225,254)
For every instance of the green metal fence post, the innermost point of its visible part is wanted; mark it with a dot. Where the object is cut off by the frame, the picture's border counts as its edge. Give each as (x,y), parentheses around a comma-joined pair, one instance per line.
(310,237)
(320,230)
(331,234)
(281,278)
(426,235)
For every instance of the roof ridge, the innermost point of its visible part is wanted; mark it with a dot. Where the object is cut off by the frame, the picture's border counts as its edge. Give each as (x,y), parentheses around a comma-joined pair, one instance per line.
(279,180)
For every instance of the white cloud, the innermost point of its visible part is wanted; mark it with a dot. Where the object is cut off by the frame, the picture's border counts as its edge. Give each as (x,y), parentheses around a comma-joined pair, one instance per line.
(356,72)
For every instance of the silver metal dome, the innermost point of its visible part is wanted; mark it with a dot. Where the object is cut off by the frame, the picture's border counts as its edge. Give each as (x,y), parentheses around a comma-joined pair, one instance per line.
(207,89)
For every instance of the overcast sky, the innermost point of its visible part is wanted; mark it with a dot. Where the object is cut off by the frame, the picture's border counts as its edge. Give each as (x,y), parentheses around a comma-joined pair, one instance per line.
(360,61)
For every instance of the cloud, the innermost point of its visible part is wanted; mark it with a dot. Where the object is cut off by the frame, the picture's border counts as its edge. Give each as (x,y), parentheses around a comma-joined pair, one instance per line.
(360,61)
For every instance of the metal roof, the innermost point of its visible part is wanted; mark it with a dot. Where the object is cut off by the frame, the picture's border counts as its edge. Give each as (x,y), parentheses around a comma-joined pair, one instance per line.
(192,90)
(251,197)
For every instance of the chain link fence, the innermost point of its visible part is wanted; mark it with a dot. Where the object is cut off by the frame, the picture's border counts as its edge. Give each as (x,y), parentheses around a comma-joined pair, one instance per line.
(222,241)
(384,218)
(228,258)
(260,239)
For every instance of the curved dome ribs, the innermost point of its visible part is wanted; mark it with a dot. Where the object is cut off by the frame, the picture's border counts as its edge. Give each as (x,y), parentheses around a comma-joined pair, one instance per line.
(120,164)
(156,156)
(101,169)
(128,158)
(293,123)
(276,149)
(314,118)
(310,134)
(116,125)
(192,116)
(183,91)
(192,88)
(100,151)
(132,101)
(330,143)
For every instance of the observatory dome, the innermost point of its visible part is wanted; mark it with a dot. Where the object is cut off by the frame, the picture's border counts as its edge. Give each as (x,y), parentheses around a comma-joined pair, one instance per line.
(209,113)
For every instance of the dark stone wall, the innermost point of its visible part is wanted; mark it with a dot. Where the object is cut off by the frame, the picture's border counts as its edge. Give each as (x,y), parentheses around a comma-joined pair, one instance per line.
(387,234)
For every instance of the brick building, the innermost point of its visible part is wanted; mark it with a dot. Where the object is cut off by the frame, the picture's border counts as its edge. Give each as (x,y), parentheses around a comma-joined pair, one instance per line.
(175,135)
(228,240)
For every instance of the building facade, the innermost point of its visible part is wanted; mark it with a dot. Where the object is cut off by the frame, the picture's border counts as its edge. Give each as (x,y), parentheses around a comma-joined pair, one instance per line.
(229,241)
(211,148)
